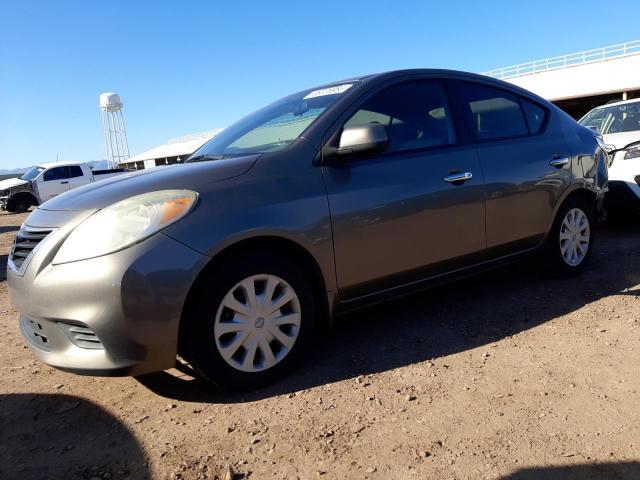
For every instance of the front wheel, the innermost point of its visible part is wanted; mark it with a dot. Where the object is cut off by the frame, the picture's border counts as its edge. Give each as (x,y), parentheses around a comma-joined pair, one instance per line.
(18,206)
(570,240)
(250,321)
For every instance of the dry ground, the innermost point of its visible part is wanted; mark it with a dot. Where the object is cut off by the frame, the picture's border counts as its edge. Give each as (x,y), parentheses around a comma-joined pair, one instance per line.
(506,375)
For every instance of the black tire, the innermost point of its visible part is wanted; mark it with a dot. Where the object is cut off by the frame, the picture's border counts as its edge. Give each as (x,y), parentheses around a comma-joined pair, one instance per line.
(554,262)
(18,204)
(197,339)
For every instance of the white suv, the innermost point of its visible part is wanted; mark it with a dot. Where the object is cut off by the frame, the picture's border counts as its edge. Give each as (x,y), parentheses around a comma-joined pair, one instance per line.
(619,125)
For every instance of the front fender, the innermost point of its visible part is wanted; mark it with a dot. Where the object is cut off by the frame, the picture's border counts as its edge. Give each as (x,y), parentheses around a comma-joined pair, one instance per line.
(29,188)
(282,197)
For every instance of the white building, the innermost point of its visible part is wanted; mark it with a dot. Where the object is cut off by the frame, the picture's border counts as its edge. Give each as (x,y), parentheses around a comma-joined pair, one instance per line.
(578,82)
(175,150)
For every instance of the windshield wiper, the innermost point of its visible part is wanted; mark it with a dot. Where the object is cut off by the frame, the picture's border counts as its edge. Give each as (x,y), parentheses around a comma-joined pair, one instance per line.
(204,158)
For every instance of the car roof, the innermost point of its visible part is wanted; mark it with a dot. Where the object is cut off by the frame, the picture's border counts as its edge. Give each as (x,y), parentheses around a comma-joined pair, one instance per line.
(59,164)
(409,71)
(621,102)
(453,74)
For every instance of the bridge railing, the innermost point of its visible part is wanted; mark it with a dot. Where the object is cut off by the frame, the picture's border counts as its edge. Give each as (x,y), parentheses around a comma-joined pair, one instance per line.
(565,61)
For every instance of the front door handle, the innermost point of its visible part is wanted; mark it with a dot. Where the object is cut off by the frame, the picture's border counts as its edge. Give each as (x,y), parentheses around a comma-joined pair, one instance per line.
(458,177)
(62,183)
(559,162)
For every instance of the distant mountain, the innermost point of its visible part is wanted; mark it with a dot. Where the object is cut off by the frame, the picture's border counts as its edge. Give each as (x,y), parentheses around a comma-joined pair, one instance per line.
(17,172)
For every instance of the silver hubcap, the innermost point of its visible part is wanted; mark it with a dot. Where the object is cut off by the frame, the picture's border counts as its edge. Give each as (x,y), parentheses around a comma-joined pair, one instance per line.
(257,323)
(575,236)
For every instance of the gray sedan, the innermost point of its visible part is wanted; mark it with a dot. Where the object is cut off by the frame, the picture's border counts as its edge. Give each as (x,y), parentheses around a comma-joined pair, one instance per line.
(324,201)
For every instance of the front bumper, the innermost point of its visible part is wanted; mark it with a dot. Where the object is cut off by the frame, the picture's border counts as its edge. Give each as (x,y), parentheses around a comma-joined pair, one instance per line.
(623,194)
(113,315)
(624,183)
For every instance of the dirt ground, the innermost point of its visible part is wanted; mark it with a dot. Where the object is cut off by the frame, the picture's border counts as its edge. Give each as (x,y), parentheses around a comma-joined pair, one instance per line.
(508,375)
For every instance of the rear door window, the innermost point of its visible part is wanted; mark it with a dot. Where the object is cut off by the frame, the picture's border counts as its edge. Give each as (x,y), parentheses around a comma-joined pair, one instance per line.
(493,113)
(75,171)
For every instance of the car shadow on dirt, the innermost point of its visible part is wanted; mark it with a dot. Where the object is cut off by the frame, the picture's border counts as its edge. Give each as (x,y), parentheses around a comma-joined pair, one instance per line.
(593,471)
(442,321)
(62,436)
(9,228)
(3,267)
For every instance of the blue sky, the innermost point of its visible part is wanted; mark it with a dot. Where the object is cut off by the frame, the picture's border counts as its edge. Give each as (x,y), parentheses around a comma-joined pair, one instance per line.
(185,66)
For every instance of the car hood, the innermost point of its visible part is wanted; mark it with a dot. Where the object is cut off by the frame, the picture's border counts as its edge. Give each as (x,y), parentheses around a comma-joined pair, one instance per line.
(622,139)
(11,182)
(182,176)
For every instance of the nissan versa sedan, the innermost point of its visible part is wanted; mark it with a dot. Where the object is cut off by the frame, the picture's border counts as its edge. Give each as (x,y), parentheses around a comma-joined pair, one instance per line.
(326,200)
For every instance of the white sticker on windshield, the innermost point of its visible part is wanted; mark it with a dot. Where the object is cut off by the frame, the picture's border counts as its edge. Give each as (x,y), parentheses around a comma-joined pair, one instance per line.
(329,91)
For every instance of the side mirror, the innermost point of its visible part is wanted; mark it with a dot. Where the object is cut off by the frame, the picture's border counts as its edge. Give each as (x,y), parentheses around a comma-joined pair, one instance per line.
(363,139)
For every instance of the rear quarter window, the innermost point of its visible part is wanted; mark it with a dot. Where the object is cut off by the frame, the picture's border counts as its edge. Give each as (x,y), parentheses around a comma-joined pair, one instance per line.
(536,115)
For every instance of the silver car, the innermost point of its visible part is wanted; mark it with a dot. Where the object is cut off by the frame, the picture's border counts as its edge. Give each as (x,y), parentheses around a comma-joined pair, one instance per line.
(321,202)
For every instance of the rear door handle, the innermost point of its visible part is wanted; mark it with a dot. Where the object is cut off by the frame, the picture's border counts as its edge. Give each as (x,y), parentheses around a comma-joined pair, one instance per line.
(559,162)
(458,177)
(62,183)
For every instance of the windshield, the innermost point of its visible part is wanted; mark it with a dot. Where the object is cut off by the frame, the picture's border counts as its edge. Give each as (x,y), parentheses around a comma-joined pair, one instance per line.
(614,119)
(31,173)
(273,127)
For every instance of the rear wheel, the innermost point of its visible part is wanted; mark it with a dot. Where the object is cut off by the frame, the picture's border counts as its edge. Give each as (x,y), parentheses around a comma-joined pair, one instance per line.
(570,241)
(250,321)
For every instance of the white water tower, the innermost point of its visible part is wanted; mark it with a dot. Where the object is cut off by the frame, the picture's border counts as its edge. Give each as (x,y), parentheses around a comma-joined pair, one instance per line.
(115,134)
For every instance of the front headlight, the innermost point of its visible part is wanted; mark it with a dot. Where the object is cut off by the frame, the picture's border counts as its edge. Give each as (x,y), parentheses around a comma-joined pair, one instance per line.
(607,147)
(125,223)
(632,153)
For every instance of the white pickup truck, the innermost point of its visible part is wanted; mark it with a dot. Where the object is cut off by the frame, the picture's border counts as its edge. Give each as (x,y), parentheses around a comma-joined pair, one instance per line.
(45,181)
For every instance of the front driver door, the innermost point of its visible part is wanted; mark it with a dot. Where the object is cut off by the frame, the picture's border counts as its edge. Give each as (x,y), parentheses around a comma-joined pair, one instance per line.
(397,218)
(52,182)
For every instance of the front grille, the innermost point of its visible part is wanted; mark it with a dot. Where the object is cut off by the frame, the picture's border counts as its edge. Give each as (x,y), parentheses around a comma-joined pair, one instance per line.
(81,336)
(25,242)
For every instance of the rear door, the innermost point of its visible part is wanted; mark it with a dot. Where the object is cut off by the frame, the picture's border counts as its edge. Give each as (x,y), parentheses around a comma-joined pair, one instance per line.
(53,181)
(77,176)
(395,217)
(525,160)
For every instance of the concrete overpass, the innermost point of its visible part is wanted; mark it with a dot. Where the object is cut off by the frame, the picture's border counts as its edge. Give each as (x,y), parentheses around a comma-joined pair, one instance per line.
(577,82)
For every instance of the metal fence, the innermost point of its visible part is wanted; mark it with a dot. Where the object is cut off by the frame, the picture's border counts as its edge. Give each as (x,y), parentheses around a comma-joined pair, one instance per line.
(565,61)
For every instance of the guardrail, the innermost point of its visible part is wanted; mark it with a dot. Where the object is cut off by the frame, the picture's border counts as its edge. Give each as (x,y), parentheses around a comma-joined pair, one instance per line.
(566,61)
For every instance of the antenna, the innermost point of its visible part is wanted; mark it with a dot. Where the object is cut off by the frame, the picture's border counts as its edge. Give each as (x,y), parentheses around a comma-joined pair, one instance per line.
(115,133)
